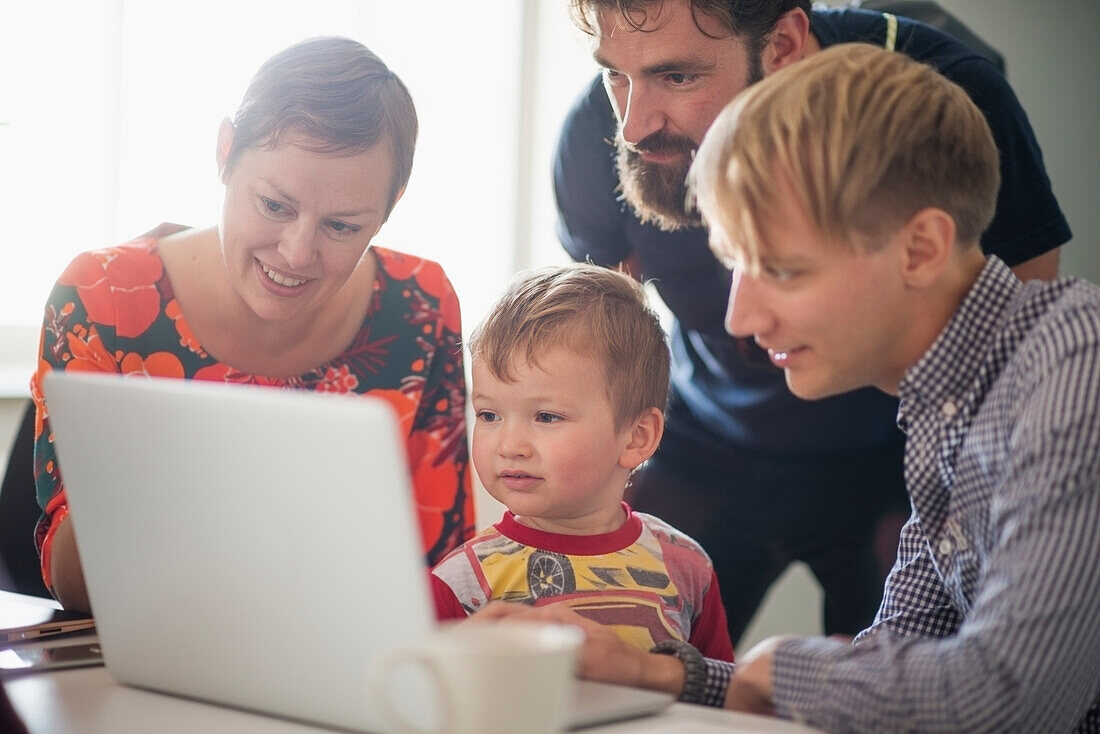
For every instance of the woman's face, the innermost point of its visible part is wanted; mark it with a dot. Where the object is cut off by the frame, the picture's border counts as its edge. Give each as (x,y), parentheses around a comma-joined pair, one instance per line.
(296,224)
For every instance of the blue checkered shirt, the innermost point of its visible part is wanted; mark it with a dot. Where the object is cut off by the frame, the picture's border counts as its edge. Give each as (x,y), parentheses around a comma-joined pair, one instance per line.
(990,619)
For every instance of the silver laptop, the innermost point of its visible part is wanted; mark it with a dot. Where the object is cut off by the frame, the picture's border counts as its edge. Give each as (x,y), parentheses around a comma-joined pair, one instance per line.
(251,546)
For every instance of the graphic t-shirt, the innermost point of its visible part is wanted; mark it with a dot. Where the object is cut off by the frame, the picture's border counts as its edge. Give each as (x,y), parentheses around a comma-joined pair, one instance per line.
(646,580)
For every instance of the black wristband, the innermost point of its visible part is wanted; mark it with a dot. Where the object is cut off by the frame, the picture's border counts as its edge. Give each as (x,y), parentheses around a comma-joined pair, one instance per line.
(695,670)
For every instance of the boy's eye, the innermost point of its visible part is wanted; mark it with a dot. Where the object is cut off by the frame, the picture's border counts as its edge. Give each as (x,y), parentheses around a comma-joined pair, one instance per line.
(544,417)
(487,416)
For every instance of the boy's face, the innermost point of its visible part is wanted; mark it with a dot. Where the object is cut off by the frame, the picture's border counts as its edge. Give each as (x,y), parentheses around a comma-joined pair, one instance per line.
(546,446)
(832,320)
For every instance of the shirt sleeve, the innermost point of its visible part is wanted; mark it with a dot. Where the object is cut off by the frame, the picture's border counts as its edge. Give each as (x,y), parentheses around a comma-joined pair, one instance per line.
(446,603)
(717,682)
(709,631)
(71,339)
(590,213)
(1025,657)
(914,601)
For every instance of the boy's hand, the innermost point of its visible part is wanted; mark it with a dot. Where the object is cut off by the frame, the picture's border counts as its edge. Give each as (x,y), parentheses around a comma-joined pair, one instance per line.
(604,657)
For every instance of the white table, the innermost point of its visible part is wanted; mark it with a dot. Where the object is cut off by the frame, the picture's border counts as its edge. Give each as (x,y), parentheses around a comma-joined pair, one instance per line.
(89,701)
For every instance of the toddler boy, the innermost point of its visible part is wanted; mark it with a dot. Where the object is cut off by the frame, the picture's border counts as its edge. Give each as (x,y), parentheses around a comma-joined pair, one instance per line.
(570,379)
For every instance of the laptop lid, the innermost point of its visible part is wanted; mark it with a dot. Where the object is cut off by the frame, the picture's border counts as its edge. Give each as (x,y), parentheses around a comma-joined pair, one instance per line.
(252,546)
(245,545)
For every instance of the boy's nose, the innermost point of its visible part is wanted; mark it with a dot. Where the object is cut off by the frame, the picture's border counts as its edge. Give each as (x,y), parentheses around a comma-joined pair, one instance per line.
(513,442)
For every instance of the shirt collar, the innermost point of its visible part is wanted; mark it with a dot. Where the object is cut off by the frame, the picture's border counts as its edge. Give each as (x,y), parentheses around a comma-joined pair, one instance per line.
(949,369)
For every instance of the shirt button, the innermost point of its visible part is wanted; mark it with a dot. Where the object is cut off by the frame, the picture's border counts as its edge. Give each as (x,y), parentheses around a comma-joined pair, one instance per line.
(949,409)
(946,546)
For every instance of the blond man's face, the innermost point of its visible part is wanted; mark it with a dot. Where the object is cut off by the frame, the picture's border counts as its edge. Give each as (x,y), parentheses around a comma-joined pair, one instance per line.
(832,319)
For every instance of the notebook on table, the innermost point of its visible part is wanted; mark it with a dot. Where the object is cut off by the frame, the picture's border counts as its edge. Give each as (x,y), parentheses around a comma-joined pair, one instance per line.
(251,546)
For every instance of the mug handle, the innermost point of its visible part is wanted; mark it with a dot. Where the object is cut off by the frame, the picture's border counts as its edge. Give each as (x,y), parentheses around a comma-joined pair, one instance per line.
(378,686)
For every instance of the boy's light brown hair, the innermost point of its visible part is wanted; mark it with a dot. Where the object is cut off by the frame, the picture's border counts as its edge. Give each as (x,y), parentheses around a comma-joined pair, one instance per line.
(862,137)
(595,312)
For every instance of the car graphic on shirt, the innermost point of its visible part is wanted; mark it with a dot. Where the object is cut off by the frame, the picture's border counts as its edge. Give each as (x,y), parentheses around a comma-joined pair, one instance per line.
(628,592)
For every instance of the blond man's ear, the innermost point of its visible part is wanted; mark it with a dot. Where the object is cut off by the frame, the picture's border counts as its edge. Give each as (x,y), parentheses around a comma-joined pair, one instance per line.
(928,244)
(645,437)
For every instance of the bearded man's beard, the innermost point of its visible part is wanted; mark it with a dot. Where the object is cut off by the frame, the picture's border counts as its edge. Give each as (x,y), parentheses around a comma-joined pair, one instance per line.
(657,192)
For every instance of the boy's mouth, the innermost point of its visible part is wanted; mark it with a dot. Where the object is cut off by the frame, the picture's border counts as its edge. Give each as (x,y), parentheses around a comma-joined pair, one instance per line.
(517,479)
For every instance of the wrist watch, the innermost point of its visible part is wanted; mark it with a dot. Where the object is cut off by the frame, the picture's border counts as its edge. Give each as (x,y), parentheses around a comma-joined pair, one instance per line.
(695,670)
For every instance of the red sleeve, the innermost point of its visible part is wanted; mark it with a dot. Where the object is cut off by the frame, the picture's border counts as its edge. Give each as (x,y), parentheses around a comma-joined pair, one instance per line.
(709,631)
(446,603)
(86,308)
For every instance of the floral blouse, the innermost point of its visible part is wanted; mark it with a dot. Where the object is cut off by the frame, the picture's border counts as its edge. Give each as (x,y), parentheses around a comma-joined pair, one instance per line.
(114,310)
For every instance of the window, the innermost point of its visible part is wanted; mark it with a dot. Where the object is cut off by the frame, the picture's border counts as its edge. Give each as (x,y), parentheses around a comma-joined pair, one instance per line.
(109,112)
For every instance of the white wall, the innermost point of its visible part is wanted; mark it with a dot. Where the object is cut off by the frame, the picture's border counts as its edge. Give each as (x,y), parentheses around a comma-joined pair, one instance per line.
(1051,55)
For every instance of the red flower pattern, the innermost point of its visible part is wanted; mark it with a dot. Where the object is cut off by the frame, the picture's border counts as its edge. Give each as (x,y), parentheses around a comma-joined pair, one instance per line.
(117,287)
(338,380)
(114,311)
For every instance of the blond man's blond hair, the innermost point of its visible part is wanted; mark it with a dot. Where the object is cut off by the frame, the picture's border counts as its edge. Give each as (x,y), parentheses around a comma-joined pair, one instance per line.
(594,312)
(863,139)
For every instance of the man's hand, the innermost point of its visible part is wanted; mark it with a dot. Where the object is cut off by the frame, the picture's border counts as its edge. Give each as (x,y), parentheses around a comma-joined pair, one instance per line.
(751,686)
(604,656)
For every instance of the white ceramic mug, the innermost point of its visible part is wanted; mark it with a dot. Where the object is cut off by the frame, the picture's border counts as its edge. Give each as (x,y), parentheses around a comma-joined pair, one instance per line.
(493,678)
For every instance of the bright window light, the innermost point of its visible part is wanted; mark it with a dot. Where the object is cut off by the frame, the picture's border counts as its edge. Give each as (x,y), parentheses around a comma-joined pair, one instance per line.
(108,126)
